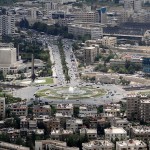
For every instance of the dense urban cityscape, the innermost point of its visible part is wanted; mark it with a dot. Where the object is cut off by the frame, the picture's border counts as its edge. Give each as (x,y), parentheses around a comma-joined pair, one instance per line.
(74,74)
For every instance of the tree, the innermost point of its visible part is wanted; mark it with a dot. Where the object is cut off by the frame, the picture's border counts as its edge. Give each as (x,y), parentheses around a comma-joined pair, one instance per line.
(1,75)
(92,79)
(4,137)
(19,141)
(24,23)
(75,111)
(86,122)
(100,109)
(53,110)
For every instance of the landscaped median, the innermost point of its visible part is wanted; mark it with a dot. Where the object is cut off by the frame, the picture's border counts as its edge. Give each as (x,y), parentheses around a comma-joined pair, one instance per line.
(63,60)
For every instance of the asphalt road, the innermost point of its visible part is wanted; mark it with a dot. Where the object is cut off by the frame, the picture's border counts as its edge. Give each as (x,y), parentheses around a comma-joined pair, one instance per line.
(117,93)
(73,71)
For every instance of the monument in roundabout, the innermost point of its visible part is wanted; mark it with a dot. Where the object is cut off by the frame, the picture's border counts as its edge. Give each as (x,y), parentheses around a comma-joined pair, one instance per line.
(71,92)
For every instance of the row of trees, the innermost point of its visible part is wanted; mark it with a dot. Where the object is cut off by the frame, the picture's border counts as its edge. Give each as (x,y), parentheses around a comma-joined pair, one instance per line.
(63,60)
(127,68)
(55,30)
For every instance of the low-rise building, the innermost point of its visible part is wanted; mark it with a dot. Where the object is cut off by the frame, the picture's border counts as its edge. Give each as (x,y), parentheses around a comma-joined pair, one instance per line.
(114,133)
(60,134)
(85,111)
(91,133)
(9,146)
(118,122)
(52,144)
(41,110)
(54,123)
(109,41)
(74,124)
(131,144)
(18,109)
(32,124)
(24,123)
(98,145)
(112,111)
(140,133)
(65,109)
(63,115)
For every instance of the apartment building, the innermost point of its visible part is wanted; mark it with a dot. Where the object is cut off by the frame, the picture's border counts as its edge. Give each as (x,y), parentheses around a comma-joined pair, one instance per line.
(111,111)
(133,106)
(41,110)
(52,144)
(18,109)
(24,123)
(2,107)
(136,5)
(60,134)
(54,123)
(114,133)
(91,133)
(87,111)
(65,21)
(65,109)
(9,146)
(125,15)
(7,24)
(85,16)
(138,107)
(144,110)
(74,124)
(109,41)
(140,133)
(90,54)
(32,124)
(119,122)
(131,144)
(98,145)
(95,30)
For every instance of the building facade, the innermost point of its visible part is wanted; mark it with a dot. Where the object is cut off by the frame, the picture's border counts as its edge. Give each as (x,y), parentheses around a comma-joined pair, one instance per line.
(114,133)
(98,145)
(131,144)
(2,108)
(7,24)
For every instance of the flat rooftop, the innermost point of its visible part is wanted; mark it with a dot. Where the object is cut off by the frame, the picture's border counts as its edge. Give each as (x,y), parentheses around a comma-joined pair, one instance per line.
(115,130)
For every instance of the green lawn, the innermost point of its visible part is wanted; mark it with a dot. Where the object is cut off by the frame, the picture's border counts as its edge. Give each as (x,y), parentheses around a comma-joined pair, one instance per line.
(49,81)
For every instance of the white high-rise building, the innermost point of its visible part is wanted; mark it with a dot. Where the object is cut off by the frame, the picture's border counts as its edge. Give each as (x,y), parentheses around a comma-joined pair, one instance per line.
(33,13)
(8,59)
(7,24)
(136,5)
